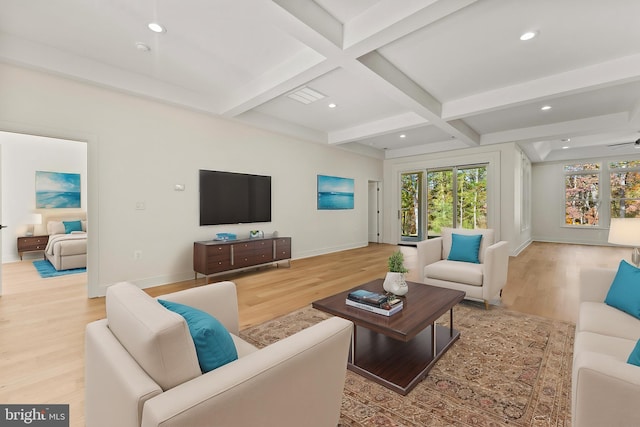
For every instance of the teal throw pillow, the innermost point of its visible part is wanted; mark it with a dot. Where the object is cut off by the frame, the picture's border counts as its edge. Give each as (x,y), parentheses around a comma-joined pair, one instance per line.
(634,357)
(214,345)
(465,248)
(624,293)
(70,226)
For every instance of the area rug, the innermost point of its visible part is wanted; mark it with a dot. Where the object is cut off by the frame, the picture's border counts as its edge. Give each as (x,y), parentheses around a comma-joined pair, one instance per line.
(507,369)
(46,269)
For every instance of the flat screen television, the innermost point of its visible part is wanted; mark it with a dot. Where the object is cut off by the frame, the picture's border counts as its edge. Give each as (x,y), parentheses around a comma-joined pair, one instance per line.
(234,198)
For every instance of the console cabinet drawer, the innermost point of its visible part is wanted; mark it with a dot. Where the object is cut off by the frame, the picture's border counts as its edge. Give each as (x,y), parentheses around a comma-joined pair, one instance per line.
(211,257)
(282,248)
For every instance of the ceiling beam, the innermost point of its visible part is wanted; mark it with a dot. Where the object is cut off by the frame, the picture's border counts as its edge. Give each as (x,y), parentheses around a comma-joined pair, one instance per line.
(378,127)
(617,71)
(390,80)
(558,130)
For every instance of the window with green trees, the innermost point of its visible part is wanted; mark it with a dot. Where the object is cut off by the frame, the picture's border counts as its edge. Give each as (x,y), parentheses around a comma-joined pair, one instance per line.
(411,202)
(456,197)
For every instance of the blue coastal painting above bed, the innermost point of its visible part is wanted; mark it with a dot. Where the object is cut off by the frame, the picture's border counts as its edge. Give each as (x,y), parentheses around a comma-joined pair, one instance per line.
(335,193)
(57,190)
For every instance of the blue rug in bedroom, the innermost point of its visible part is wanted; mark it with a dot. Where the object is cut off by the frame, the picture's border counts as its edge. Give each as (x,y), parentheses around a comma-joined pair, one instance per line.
(46,270)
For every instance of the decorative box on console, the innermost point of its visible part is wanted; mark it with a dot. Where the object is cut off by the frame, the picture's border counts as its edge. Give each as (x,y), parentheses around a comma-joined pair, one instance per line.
(226,236)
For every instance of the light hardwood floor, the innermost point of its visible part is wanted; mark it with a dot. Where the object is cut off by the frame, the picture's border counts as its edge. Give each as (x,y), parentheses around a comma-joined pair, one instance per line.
(42,321)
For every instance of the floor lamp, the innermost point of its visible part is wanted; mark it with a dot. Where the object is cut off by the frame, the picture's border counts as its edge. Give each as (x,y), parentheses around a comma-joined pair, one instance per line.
(626,232)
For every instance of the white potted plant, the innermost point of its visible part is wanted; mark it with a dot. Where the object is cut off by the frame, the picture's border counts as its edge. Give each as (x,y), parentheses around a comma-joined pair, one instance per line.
(394,282)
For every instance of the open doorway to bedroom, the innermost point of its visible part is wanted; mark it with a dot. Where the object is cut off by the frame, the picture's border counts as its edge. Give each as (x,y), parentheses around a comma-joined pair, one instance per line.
(43,193)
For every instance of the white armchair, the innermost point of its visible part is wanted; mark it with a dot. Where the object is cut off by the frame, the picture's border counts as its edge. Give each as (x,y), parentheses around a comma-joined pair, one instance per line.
(142,368)
(481,281)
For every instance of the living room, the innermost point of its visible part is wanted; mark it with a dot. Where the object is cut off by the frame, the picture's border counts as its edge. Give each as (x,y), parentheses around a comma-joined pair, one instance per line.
(141,146)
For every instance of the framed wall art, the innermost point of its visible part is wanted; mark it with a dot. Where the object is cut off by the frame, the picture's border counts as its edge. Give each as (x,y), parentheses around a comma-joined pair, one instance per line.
(335,193)
(57,190)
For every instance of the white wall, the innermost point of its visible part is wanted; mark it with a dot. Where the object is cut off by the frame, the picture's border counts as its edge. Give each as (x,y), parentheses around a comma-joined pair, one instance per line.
(22,156)
(139,149)
(503,180)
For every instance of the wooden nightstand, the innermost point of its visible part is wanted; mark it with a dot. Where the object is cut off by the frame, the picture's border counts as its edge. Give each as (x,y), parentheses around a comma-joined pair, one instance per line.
(31,244)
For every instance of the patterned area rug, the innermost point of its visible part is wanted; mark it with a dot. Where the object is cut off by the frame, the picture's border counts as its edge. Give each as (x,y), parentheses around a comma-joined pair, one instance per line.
(507,368)
(46,269)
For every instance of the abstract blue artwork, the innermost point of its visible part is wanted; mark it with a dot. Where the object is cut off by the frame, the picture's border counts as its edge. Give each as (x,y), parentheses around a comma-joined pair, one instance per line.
(334,193)
(57,190)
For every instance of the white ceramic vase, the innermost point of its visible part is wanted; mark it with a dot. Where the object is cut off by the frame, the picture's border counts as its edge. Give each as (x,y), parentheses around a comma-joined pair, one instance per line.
(394,283)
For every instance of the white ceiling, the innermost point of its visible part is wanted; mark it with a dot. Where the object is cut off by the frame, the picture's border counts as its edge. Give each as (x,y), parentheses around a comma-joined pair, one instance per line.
(446,74)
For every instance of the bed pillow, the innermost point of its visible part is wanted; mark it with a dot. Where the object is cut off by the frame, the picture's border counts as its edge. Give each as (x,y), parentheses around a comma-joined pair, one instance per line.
(214,345)
(624,293)
(55,227)
(70,226)
(465,248)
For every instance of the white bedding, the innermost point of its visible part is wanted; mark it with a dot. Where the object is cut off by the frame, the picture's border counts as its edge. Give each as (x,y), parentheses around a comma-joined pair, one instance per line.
(57,238)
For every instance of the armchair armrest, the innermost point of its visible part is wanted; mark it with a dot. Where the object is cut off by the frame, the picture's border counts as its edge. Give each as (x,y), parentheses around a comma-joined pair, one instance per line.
(595,284)
(496,267)
(429,251)
(218,299)
(605,391)
(295,381)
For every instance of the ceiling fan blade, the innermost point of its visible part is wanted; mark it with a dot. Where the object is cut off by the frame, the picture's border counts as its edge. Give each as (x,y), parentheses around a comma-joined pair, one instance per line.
(620,144)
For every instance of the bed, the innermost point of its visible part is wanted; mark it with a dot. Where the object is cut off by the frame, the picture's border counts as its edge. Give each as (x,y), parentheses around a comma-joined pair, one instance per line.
(67,246)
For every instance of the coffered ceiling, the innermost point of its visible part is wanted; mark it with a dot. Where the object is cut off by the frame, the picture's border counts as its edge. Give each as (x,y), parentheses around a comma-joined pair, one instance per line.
(406,77)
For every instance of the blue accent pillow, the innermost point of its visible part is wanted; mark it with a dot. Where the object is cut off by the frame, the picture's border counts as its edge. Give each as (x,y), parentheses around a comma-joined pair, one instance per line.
(624,293)
(70,226)
(465,248)
(214,345)
(634,357)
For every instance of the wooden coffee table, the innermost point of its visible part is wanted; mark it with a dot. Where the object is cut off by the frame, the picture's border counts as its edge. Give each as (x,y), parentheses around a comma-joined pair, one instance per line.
(398,351)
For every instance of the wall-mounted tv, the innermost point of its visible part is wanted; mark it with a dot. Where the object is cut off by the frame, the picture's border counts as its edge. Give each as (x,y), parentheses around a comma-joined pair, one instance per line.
(234,198)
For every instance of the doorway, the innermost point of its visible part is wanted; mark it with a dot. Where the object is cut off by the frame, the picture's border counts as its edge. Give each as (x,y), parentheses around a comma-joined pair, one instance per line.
(22,155)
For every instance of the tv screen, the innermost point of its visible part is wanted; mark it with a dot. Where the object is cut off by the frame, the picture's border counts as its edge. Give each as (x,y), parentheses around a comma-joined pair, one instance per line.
(234,198)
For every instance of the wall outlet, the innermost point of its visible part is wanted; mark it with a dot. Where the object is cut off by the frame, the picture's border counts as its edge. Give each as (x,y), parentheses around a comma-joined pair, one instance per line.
(137,255)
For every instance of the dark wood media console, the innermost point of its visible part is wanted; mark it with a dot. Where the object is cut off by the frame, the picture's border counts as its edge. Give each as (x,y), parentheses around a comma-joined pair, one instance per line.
(214,256)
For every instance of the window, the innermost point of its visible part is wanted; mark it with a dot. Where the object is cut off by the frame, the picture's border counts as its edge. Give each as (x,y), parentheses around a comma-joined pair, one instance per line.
(456,197)
(411,206)
(581,187)
(625,189)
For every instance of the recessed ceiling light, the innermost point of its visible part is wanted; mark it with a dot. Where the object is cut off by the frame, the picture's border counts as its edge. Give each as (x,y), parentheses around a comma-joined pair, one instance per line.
(332,105)
(528,35)
(156,28)
(565,147)
(565,140)
(142,47)
(403,136)
(546,108)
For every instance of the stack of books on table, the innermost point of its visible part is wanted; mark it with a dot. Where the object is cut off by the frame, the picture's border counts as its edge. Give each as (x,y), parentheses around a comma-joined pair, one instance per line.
(374,302)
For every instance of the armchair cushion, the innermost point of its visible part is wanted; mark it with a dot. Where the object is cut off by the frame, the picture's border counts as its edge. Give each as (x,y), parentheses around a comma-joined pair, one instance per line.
(624,293)
(465,248)
(156,338)
(214,345)
(455,271)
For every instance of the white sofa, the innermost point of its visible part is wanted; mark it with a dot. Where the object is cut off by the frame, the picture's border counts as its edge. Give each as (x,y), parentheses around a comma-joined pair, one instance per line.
(605,389)
(142,368)
(481,282)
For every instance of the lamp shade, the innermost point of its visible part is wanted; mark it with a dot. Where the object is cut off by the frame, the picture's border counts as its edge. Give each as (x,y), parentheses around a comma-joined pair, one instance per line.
(625,231)
(35,219)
